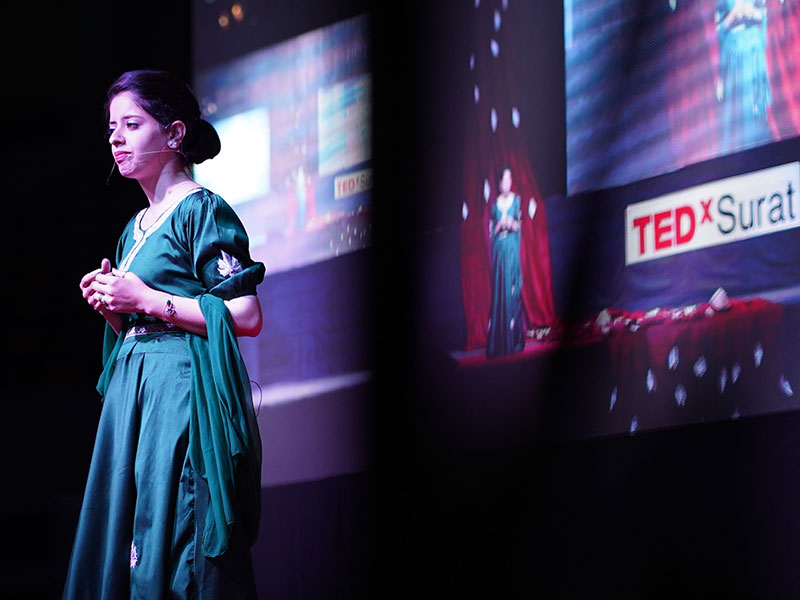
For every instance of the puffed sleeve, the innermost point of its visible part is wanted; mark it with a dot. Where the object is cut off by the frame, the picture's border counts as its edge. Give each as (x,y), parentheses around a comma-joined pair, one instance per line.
(220,249)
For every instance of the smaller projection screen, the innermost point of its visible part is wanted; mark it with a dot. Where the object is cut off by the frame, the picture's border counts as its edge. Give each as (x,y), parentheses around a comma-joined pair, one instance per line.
(295,123)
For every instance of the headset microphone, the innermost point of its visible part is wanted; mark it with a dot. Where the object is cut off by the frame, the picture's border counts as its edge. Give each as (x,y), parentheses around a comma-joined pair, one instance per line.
(156,151)
(113,166)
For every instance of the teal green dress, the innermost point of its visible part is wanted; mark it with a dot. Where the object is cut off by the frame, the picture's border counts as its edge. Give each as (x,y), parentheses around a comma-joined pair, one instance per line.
(506,328)
(172,502)
(746,93)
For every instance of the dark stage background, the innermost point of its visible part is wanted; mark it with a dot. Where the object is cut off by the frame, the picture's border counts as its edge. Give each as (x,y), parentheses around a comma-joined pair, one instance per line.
(458,499)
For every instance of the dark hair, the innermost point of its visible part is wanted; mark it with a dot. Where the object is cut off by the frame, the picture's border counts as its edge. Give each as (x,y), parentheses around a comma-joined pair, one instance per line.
(502,171)
(168,99)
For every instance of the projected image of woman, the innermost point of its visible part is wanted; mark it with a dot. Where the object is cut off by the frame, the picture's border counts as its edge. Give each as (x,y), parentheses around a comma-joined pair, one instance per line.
(172,502)
(506,327)
(743,86)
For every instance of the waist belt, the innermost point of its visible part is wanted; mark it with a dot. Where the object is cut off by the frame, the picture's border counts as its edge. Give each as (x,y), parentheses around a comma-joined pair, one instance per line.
(150,328)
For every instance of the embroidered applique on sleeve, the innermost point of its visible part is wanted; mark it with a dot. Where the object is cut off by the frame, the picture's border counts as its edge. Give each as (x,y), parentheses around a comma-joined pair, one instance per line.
(134,555)
(228,265)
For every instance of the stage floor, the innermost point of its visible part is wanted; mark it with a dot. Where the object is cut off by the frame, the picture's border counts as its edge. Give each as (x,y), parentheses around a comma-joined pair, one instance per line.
(534,348)
(630,372)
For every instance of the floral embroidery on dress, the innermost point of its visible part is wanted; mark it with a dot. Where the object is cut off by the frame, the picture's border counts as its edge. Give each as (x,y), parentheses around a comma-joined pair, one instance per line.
(134,555)
(228,265)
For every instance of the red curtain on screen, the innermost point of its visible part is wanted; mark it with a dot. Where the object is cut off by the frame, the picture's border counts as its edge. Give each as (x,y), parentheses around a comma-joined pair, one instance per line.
(692,71)
(496,136)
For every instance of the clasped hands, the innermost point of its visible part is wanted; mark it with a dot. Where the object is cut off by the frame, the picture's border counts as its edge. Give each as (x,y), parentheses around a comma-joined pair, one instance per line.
(507,224)
(111,290)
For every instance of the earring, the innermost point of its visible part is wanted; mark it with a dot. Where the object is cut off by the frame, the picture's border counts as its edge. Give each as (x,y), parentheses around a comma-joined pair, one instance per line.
(172,144)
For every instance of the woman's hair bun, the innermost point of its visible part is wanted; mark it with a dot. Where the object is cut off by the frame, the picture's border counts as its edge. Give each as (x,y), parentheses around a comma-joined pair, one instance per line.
(201,141)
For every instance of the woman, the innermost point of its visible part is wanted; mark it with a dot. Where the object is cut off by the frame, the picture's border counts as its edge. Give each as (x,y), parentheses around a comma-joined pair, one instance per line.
(743,85)
(506,327)
(172,500)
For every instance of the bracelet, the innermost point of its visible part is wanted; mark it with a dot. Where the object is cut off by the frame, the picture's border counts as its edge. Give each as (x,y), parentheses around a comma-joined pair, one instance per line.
(169,308)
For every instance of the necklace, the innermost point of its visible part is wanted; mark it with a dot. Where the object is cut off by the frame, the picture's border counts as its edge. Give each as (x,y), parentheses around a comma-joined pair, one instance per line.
(163,212)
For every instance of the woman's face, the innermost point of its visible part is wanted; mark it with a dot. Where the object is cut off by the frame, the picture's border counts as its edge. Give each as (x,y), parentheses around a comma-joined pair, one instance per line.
(505,182)
(138,142)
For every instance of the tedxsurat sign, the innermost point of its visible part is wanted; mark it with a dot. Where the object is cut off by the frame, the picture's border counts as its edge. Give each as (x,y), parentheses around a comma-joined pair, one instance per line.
(714,213)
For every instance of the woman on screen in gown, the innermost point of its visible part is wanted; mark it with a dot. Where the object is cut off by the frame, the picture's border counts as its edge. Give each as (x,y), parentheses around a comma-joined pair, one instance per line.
(506,327)
(172,501)
(743,86)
